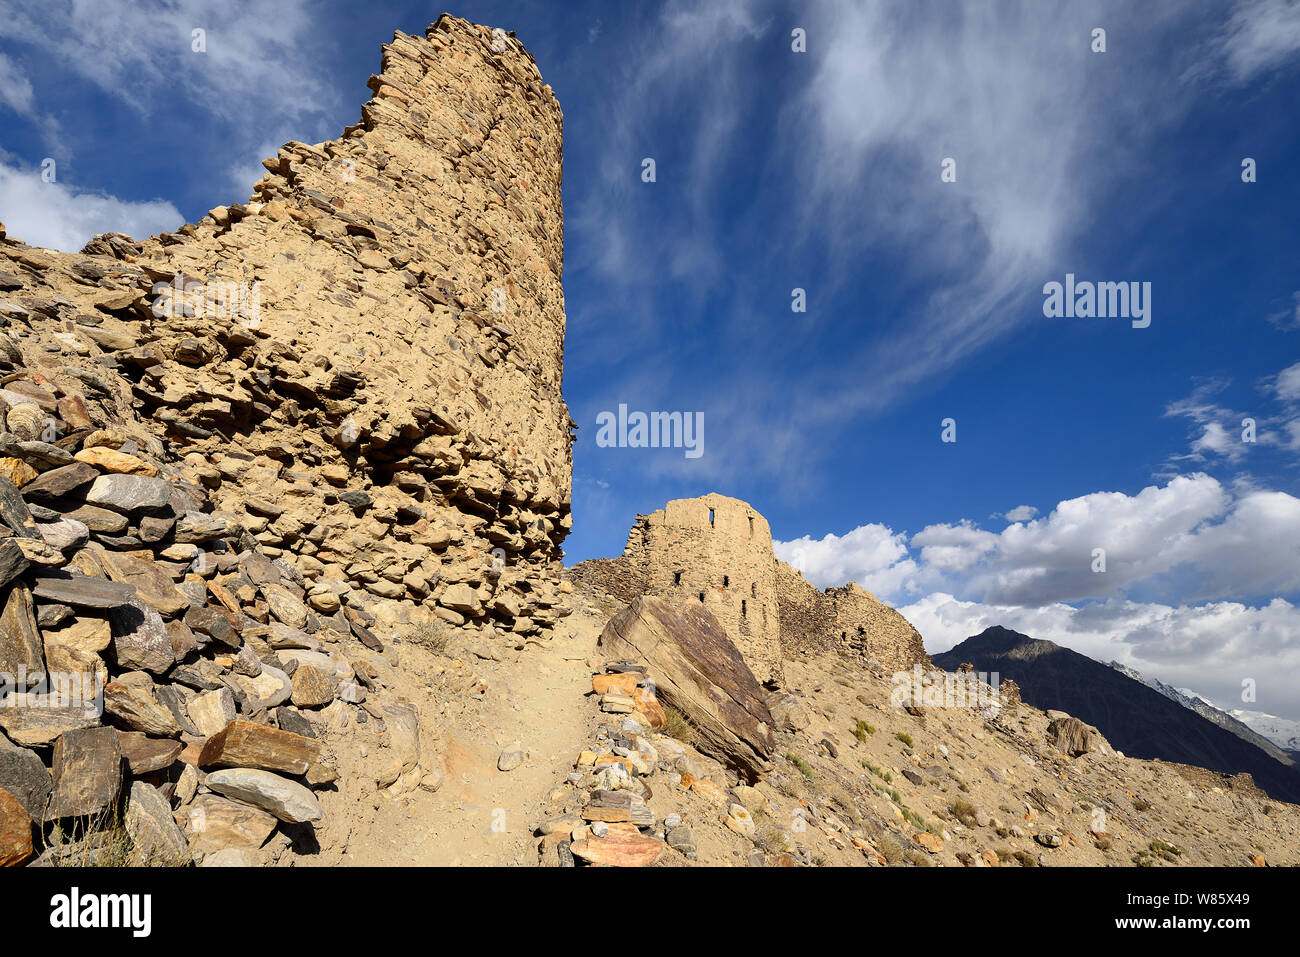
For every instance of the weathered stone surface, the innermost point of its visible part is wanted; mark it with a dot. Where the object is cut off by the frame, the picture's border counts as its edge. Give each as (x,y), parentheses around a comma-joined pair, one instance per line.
(140,639)
(144,755)
(129,493)
(14,512)
(212,711)
(460,597)
(214,823)
(111,460)
(622,846)
(65,535)
(15,831)
(249,745)
(1076,738)
(153,586)
(285,606)
(82,591)
(87,773)
(788,712)
(699,672)
(59,482)
(34,721)
(23,774)
(285,799)
(101,520)
(16,471)
(211,622)
(314,687)
(226,857)
(156,839)
(134,704)
(12,562)
(269,689)
(403,723)
(21,648)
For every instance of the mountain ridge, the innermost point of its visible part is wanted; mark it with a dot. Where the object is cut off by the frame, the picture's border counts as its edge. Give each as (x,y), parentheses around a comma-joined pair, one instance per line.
(1137,719)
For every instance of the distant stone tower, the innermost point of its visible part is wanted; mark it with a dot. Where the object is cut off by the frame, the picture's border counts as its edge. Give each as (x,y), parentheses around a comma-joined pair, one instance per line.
(716,550)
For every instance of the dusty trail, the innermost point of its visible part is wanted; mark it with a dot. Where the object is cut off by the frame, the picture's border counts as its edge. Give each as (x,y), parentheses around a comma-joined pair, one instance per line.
(480,816)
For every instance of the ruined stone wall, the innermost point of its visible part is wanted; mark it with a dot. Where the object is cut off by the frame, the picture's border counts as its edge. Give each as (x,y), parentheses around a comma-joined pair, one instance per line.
(717,550)
(362,364)
(849,620)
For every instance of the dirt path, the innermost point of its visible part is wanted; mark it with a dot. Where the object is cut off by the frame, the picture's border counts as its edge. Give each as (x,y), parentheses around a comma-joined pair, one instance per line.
(480,815)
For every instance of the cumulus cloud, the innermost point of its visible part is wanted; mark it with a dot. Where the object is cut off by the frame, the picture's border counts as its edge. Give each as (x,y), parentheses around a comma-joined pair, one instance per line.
(1212,648)
(1286,386)
(1021,513)
(1190,538)
(872,555)
(60,216)
(1194,588)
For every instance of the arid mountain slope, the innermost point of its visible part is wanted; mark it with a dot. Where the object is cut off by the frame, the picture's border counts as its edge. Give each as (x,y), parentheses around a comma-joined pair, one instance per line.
(1136,719)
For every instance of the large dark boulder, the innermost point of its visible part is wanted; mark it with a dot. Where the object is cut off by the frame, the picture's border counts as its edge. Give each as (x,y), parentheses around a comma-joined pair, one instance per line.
(699,672)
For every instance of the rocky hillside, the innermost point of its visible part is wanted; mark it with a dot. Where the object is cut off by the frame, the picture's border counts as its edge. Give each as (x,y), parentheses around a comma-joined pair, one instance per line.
(282,500)
(1137,719)
(684,761)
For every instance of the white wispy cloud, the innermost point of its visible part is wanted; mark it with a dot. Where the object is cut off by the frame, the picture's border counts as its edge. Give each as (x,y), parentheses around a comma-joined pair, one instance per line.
(1260,35)
(256,58)
(59,216)
(15,88)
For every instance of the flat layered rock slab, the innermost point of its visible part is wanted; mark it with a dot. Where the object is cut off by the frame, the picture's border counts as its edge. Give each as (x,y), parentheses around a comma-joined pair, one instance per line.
(140,637)
(56,483)
(15,831)
(21,648)
(701,673)
(12,561)
(129,493)
(153,586)
(35,721)
(622,846)
(87,773)
(214,823)
(156,838)
(243,744)
(287,800)
(145,755)
(82,591)
(136,705)
(23,774)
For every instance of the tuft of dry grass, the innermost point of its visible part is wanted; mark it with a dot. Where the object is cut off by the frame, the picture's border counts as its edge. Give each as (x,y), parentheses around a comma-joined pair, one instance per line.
(432,635)
(676,725)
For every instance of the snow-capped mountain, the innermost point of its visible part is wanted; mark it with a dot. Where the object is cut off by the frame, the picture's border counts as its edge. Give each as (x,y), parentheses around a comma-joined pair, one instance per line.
(1234,721)
(1283,732)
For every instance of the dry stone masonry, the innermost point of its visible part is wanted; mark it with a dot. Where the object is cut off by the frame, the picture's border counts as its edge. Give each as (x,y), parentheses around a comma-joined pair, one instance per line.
(234,459)
(718,551)
(362,364)
(849,620)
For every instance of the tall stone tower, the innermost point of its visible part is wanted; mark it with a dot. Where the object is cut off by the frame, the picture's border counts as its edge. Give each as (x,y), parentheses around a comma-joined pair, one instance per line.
(362,364)
(718,551)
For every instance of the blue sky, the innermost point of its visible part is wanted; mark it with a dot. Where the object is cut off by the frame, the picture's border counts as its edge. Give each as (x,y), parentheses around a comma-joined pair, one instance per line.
(820,170)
